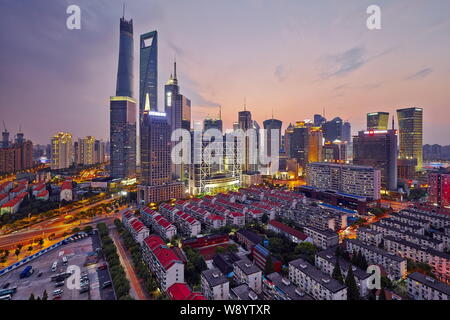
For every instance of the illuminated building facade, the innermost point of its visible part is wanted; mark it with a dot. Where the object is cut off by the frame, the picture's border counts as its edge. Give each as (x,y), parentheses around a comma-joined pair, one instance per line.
(439,189)
(315,152)
(377,121)
(62,150)
(123,111)
(378,149)
(410,121)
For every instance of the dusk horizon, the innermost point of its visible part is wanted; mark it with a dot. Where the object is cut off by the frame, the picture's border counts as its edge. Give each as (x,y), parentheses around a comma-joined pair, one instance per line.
(294,58)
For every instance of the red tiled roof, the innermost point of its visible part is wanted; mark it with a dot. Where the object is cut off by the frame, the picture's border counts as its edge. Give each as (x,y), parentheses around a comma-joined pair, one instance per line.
(236,214)
(3,196)
(66,185)
(12,202)
(215,217)
(137,225)
(166,257)
(289,230)
(180,291)
(43,193)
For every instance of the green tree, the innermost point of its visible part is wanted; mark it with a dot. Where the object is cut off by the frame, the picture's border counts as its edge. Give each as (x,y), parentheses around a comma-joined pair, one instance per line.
(220,250)
(268,268)
(337,273)
(265,218)
(32,297)
(44,295)
(352,288)
(382,295)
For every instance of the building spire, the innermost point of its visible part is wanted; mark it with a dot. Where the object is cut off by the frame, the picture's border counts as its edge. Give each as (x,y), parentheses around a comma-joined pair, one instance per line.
(393,122)
(245,104)
(175,68)
(220,112)
(123,11)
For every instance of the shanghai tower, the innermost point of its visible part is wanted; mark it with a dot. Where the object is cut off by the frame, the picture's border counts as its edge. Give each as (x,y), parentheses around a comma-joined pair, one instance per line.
(124,85)
(123,109)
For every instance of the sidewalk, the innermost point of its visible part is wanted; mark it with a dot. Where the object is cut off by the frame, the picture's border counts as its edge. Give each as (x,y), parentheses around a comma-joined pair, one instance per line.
(136,291)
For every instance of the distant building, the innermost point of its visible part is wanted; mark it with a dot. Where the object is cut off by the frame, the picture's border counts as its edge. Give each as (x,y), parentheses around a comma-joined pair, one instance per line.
(356,180)
(379,150)
(332,130)
(423,287)
(377,121)
(410,121)
(248,273)
(62,150)
(439,188)
(215,286)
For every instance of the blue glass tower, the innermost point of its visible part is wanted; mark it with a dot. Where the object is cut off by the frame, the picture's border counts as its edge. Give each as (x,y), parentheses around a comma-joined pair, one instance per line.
(148,71)
(124,87)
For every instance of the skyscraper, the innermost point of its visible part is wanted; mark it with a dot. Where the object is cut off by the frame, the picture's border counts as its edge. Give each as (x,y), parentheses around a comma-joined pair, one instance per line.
(155,182)
(319,120)
(346,132)
(61,150)
(178,110)
(148,71)
(123,110)
(269,125)
(377,121)
(85,150)
(332,130)
(410,122)
(315,145)
(299,144)
(378,149)
(245,123)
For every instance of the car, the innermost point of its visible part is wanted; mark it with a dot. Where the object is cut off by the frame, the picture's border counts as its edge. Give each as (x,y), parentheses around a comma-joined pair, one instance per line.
(106,284)
(6,285)
(59,284)
(84,289)
(58,292)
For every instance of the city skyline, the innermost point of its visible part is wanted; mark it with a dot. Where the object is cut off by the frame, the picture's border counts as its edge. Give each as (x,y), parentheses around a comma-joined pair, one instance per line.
(356,69)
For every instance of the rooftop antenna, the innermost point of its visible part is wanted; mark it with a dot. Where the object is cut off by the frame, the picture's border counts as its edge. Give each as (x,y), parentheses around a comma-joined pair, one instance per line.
(220,112)
(393,122)
(272,113)
(4,126)
(175,67)
(123,11)
(245,104)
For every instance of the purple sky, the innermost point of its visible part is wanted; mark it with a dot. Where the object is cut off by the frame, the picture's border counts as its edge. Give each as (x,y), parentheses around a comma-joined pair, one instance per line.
(295,57)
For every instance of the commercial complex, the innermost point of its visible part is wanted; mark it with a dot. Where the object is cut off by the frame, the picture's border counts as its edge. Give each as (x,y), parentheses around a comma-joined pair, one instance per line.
(410,122)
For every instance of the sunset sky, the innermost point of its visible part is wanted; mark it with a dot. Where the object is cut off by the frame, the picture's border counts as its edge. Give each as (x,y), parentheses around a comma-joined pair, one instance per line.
(293,56)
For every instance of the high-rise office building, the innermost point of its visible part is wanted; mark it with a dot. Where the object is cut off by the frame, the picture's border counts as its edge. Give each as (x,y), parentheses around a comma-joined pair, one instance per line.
(335,152)
(378,149)
(319,120)
(210,123)
(15,156)
(84,151)
(287,140)
(61,151)
(99,151)
(315,145)
(332,130)
(155,180)
(269,125)
(178,110)
(363,181)
(439,188)
(299,143)
(123,110)
(346,132)
(410,123)
(148,71)
(246,123)
(377,121)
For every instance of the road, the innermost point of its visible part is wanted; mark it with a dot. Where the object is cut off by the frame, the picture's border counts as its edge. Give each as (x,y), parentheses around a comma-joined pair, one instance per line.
(54,225)
(136,291)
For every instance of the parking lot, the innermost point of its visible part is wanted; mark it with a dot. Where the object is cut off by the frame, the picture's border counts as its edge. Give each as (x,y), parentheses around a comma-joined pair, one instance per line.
(77,254)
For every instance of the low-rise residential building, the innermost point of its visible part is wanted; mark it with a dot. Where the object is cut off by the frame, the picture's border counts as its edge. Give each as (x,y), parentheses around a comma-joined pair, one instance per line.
(292,234)
(215,286)
(326,261)
(236,219)
(315,282)
(394,265)
(275,287)
(158,223)
(66,191)
(444,238)
(180,291)
(243,292)
(369,236)
(322,238)
(163,262)
(423,287)
(403,226)
(439,261)
(260,256)
(248,238)
(438,220)
(247,272)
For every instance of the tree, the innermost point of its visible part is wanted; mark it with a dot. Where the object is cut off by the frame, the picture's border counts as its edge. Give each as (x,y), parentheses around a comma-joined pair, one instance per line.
(220,250)
(268,268)
(17,253)
(337,273)
(352,288)
(44,295)
(233,248)
(32,297)
(265,218)
(382,295)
